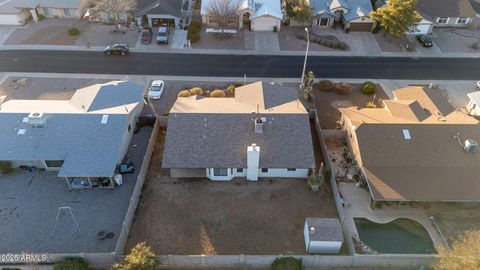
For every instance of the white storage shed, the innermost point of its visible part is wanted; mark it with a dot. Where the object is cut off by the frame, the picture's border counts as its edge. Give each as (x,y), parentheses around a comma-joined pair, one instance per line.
(323,235)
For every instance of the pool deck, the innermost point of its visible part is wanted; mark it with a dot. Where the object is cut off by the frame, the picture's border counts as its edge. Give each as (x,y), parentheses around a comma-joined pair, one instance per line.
(357,205)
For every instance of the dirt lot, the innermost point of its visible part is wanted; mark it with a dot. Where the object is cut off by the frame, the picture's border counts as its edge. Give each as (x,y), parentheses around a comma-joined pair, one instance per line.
(198,216)
(242,40)
(328,102)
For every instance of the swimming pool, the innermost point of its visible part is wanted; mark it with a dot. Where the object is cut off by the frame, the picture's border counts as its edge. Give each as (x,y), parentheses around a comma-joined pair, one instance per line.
(401,236)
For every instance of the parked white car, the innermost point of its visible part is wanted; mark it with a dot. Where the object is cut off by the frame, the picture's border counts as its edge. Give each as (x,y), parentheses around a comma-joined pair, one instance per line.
(155,90)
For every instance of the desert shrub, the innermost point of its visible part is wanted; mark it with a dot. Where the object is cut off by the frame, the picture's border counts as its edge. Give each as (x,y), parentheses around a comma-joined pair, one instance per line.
(141,257)
(6,167)
(184,93)
(41,17)
(343,88)
(230,90)
(196,91)
(325,85)
(342,45)
(287,263)
(217,93)
(70,264)
(368,88)
(73,31)
(370,104)
(475,45)
(335,44)
(193,31)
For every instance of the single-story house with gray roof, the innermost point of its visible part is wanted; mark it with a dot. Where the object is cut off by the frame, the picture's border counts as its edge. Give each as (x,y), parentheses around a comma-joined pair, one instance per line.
(19,12)
(263,131)
(160,12)
(83,138)
(352,14)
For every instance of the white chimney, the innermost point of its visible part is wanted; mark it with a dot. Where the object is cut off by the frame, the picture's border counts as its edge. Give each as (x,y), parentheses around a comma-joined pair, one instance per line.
(253,161)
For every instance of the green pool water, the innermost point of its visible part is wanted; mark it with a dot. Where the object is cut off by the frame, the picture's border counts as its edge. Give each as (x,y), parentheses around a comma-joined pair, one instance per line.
(401,236)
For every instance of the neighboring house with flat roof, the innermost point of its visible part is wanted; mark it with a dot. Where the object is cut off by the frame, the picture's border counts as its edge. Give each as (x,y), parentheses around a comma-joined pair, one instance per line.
(160,12)
(263,131)
(19,12)
(416,148)
(256,15)
(444,13)
(83,138)
(353,14)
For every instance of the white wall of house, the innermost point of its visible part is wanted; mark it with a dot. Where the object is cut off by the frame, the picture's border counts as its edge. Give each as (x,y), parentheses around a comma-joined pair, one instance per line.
(452,21)
(127,135)
(473,108)
(10,19)
(271,172)
(265,23)
(49,12)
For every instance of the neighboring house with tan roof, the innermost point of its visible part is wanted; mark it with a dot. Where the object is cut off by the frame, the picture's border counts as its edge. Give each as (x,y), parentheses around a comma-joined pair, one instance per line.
(263,131)
(416,148)
(444,13)
(19,12)
(83,138)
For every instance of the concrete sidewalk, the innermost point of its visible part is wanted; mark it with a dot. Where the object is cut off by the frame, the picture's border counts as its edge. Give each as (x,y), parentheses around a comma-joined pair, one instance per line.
(238,52)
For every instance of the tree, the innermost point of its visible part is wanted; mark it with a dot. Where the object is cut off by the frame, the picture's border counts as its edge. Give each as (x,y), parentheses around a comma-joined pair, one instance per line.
(303,12)
(224,12)
(464,254)
(141,257)
(115,9)
(397,17)
(308,81)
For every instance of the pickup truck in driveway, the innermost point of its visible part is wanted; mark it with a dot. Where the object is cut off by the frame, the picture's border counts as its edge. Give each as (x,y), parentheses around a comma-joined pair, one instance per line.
(162,35)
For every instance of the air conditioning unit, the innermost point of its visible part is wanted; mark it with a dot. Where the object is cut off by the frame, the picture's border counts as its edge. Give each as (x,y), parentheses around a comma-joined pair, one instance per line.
(470,145)
(37,119)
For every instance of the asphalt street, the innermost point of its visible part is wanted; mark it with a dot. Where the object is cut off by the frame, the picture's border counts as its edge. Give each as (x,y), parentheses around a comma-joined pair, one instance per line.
(238,65)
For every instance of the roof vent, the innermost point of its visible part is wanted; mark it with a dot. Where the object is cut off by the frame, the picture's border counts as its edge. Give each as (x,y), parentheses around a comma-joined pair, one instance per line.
(37,119)
(105,119)
(259,124)
(406,134)
(21,131)
(470,145)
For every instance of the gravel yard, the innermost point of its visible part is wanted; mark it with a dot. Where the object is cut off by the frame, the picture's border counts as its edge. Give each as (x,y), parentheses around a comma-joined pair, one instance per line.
(242,40)
(199,216)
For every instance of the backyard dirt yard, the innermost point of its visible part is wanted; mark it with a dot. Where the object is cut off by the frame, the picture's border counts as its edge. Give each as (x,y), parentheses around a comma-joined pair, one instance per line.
(55,32)
(328,102)
(199,216)
(242,40)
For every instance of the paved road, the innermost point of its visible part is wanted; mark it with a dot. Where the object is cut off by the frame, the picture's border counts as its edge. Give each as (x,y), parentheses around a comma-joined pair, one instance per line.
(238,65)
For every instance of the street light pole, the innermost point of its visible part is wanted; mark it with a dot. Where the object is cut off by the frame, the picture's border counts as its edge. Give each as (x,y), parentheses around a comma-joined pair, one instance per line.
(302,84)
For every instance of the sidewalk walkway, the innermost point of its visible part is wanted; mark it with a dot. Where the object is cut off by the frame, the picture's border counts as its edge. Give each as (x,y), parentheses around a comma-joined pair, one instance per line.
(179,39)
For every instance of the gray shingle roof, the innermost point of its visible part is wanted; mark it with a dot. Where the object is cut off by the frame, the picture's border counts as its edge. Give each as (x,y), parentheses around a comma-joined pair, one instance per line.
(88,147)
(159,7)
(325,229)
(219,137)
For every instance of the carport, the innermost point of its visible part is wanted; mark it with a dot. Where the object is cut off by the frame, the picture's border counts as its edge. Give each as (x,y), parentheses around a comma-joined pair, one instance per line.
(160,12)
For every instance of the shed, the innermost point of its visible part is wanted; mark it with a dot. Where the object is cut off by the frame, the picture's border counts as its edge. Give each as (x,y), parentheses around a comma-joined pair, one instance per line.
(323,235)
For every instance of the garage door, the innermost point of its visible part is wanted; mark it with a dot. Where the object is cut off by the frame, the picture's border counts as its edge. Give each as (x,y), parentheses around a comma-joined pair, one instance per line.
(422,29)
(266,23)
(361,27)
(163,21)
(9,19)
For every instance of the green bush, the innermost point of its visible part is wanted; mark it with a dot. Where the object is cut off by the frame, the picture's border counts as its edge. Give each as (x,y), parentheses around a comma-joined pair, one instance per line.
(325,85)
(196,91)
(73,31)
(335,44)
(71,264)
(368,88)
(342,45)
(230,90)
(193,31)
(287,263)
(141,257)
(371,105)
(217,93)
(41,17)
(6,167)
(343,88)
(184,93)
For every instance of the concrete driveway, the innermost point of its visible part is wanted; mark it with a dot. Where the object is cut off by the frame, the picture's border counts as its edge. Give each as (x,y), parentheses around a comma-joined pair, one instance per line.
(5,32)
(266,42)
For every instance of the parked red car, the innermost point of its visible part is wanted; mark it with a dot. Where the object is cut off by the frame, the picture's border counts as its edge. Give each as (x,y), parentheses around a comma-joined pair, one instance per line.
(146,36)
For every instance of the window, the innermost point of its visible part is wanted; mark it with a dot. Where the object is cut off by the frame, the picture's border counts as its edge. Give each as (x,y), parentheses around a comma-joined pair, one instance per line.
(54,163)
(220,172)
(66,11)
(46,11)
(291,169)
(322,21)
(129,128)
(240,170)
(442,20)
(264,170)
(462,20)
